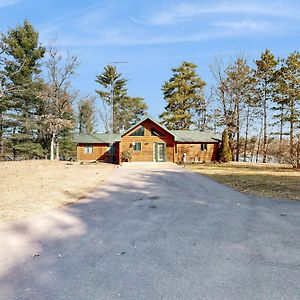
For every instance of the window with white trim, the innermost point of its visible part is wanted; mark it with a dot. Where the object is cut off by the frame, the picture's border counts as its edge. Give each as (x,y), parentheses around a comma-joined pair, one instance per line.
(137,146)
(88,149)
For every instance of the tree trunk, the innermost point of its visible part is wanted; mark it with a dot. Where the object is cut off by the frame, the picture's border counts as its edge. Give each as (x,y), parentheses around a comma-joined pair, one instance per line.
(1,148)
(298,154)
(1,138)
(57,150)
(52,146)
(113,108)
(292,111)
(252,152)
(265,129)
(246,134)
(237,154)
(281,134)
(258,145)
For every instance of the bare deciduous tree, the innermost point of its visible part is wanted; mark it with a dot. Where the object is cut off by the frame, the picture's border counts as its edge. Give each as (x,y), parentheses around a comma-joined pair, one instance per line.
(58,97)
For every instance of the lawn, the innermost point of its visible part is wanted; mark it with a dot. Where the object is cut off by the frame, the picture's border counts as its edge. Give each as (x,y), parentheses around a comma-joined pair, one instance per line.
(268,180)
(28,187)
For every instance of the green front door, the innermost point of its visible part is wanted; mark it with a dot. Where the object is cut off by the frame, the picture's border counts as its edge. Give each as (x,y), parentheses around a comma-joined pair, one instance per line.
(160,152)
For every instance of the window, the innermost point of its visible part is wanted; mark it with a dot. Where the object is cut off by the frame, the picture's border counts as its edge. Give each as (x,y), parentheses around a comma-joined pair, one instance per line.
(203,147)
(139,132)
(88,149)
(137,146)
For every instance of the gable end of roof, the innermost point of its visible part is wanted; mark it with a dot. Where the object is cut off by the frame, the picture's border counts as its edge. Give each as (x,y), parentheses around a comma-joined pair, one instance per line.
(140,122)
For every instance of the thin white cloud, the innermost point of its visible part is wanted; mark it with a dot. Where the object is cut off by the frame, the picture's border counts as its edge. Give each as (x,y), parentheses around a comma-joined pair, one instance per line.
(99,25)
(245,25)
(186,11)
(118,38)
(127,37)
(5,3)
(84,21)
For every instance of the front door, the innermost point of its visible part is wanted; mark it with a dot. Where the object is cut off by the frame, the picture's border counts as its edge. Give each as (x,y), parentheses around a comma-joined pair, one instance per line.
(160,151)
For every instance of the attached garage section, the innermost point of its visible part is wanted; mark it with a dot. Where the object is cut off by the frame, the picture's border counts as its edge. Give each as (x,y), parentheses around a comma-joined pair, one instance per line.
(93,151)
(197,146)
(98,146)
(197,152)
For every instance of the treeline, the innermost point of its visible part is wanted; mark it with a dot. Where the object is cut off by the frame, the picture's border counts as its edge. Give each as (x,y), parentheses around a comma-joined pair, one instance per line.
(258,106)
(40,110)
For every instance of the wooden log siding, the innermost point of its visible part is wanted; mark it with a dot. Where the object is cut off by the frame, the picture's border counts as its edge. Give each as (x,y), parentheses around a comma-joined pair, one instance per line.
(194,153)
(153,134)
(100,152)
(147,142)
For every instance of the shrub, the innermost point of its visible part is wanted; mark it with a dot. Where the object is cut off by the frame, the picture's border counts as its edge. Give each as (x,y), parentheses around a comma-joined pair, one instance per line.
(225,151)
(126,155)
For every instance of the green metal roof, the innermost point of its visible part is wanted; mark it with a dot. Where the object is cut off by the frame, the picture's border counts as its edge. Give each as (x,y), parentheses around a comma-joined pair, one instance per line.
(183,136)
(194,136)
(97,138)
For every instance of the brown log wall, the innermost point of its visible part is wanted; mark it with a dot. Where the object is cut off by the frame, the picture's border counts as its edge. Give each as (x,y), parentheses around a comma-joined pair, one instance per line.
(193,152)
(100,152)
(147,143)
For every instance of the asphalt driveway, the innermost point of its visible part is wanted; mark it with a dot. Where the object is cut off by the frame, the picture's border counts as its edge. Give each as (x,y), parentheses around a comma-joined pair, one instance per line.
(155,233)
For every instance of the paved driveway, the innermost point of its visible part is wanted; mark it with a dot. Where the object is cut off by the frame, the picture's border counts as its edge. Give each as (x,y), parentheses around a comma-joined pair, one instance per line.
(152,233)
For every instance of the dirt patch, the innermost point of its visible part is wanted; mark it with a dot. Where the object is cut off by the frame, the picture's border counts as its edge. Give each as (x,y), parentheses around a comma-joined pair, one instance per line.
(28,187)
(268,180)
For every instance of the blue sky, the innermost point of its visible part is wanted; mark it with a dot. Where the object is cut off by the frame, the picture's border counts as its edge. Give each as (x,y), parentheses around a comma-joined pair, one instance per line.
(154,36)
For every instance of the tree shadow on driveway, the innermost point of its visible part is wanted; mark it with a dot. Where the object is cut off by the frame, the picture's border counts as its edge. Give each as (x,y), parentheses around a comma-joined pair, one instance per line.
(149,234)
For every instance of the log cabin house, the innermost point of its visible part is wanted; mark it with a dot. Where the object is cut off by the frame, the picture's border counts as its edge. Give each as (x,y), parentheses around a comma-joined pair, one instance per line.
(148,141)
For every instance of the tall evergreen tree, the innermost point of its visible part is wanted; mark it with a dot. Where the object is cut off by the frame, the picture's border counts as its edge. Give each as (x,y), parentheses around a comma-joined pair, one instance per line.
(239,85)
(22,67)
(264,73)
(120,110)
(289,86)
(183,93)
(86,115)
(130,111)
(280,110)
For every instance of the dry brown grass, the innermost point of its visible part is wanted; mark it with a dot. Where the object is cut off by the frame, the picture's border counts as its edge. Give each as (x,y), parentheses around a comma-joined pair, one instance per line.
(268,180)
(28,187)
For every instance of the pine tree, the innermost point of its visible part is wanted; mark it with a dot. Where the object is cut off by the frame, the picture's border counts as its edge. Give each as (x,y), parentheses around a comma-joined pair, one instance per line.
(280,110)
(130,111)
(120,110)
(183,93)
(225,150)
(289,87)
(113,93)
(21,88)
(86,115)
(264,73)
(239,86)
